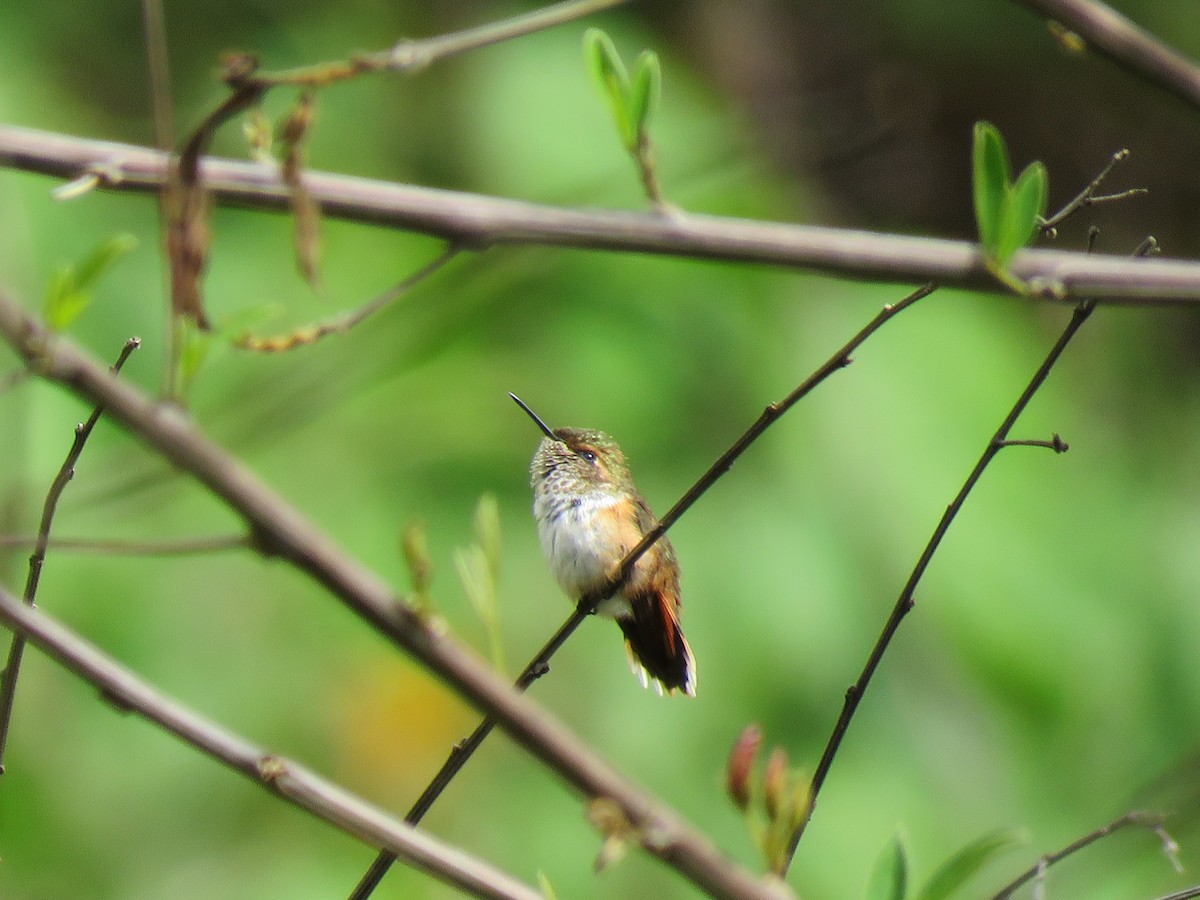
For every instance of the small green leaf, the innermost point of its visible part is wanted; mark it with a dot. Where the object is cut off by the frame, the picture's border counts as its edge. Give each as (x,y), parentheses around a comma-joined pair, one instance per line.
(990,176)
(69,291)
(964,864)
(889,879)
(545,886)
(645,93)
(102,258)
(1023,205)
(609,72)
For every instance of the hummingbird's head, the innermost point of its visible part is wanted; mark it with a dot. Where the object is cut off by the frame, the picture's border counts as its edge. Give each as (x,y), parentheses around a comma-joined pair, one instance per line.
(580,459)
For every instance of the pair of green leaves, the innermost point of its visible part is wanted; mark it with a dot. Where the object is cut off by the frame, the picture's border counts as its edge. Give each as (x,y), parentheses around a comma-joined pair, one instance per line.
(889,880)
(69,291)
(632,101)
(1008,213)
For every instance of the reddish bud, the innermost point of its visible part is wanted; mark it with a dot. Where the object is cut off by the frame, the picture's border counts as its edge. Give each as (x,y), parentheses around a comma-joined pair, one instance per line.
(741,763)
(775,782)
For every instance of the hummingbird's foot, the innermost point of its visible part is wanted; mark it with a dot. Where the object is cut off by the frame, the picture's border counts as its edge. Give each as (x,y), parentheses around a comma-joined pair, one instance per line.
(587,605)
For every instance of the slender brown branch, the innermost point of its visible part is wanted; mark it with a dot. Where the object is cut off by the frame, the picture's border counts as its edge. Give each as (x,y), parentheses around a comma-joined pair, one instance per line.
(113,547)
(905,601)
(274,773)
(464,750)
(340,324)
(478,221)
(540,663)
(1129,46)
(1185,894)
(839,360)
(409,56)
(1151,821)
(280,530)
(16,650)
(1088,197)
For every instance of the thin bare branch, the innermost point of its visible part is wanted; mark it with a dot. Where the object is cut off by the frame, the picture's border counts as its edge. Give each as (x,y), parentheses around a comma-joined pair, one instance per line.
(276,774)
(102,547)
(1088,196)
(340,324)
(280,530)
(476,221)
(12,667)
(464,750)
(905,601)
(409,56)
(1151,821)
(1129,46)
(540,664)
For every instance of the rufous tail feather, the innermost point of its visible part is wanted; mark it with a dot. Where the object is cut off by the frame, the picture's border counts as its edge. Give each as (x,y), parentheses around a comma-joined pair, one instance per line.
(656,645)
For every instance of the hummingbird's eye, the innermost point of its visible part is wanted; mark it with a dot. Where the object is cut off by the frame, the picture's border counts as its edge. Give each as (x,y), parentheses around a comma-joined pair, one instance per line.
(589,455)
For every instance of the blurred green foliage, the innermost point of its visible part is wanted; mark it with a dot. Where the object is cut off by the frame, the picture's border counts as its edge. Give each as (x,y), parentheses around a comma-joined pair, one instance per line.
(1047,678)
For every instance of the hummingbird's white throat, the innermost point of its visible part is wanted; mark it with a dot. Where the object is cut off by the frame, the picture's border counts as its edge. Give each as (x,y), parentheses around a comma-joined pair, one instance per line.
(577,540)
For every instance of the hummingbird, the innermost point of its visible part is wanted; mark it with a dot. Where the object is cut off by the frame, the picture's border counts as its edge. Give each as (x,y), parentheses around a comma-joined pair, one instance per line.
(589,516)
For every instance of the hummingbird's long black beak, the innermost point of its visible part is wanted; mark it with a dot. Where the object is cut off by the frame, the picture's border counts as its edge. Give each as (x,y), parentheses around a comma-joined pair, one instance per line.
(542,425)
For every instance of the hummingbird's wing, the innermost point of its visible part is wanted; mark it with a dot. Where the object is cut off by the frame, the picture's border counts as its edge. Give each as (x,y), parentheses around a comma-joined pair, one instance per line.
(653,635)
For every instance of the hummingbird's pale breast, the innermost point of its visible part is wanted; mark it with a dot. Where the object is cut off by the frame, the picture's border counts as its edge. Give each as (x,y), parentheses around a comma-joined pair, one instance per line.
(582,539)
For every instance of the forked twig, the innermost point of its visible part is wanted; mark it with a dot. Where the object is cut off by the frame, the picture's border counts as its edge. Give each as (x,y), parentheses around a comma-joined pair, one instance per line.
(1151,821)
(1088,196)
(540,664)
(12,667)
(905,601)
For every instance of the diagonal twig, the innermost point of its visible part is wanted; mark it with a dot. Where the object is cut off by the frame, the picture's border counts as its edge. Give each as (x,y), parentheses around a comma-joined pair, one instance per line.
(339,324)
(414,55)
(1151,821)
(540,664)
(906,601)
(12,667)
(277,774)
(280,530)
(1088,196)
(463,751)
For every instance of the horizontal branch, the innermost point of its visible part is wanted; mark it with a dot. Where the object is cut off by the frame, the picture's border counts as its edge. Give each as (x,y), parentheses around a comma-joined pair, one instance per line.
(478,221)
(281,531)
(274,773)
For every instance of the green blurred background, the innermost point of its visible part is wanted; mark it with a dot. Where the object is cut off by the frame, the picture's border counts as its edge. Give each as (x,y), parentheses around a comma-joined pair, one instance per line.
(1048,678)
